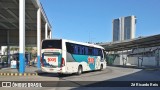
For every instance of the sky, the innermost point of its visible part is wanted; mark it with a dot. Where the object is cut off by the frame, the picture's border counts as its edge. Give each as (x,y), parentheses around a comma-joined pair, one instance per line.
(91,20)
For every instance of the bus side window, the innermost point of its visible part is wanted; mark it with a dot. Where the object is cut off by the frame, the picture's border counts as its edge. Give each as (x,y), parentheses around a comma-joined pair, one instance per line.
(75,49)
(105,55)
(90,51)
(70,47)
(86,50)
(95,51)
(82,50)
(100,53)
(79,49)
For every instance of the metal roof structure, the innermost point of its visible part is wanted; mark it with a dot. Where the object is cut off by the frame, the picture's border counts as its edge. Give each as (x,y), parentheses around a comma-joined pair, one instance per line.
(23,23)
(142,42)
(9,22)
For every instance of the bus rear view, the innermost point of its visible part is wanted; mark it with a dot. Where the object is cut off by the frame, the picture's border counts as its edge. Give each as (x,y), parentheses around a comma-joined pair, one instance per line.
(52,59)
(66,56)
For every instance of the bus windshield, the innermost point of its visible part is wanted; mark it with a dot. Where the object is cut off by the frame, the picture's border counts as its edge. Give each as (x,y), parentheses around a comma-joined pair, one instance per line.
(57,44)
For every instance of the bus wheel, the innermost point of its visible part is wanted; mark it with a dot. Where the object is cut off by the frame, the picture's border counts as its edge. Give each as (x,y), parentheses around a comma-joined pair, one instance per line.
(101,68)
(79,70)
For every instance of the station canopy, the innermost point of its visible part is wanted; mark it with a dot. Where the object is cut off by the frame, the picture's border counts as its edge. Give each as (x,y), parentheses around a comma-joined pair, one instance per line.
(141,42)
(9,22)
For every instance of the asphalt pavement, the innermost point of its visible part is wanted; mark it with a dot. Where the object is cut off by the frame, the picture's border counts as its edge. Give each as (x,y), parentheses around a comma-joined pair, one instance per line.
(114,76)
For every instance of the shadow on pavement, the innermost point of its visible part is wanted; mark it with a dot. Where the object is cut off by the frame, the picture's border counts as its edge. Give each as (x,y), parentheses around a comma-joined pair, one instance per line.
(2,65)
(122,82)
(46,74)
(136,67)
(76,75)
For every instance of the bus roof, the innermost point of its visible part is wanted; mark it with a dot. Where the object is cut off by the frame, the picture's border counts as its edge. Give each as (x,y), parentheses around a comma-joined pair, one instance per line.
(76,42)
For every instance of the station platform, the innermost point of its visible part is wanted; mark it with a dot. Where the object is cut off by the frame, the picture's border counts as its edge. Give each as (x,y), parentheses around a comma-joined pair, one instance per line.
(29,71)
(136,67)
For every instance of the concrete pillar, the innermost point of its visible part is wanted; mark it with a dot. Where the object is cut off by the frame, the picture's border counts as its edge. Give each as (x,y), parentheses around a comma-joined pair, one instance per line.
(122,58)
(46,31)
(21,36)
(8,48)
(157,57)
(50,34)
(38,38)
(8,55)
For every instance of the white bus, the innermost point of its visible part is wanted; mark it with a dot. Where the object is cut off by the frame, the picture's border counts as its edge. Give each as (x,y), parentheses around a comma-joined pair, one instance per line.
(66,56)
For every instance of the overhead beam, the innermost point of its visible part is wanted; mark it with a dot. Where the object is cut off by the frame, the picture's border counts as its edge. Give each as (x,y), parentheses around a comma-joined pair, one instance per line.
(5,26)
(10,12)
(34,2)
(8,21)
(15,6)
(15,1)
(29,20)
(15,16)
(28,17)
(14,21)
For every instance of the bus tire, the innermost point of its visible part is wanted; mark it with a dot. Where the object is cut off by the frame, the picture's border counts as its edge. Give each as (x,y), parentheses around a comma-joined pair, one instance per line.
(80,70)
(101,68)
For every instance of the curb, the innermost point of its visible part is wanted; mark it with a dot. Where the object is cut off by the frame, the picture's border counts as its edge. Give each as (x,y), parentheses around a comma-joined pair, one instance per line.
(18,74)
(144,68)
(152,69)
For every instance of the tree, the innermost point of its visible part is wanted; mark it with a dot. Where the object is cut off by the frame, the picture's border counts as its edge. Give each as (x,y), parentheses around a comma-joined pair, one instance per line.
(28,49)
(12,49)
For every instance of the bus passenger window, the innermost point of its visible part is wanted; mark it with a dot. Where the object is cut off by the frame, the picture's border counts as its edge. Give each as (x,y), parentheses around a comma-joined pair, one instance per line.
(79,50)
(105,55)
(86,50)
(70,48)
(82,50)
(95,52)
(90,52)
(75,49)
(100,53)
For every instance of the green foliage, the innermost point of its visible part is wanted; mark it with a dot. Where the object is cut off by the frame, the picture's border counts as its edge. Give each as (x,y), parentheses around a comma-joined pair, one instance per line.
(4,59)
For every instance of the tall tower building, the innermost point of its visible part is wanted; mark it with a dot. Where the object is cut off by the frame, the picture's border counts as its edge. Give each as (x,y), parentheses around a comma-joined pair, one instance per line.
(124,28)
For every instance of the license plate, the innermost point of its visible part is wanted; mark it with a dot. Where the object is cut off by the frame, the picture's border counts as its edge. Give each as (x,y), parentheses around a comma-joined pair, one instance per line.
(51,69)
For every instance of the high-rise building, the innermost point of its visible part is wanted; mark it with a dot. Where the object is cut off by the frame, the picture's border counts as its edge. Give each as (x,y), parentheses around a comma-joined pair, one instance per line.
(124,28)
